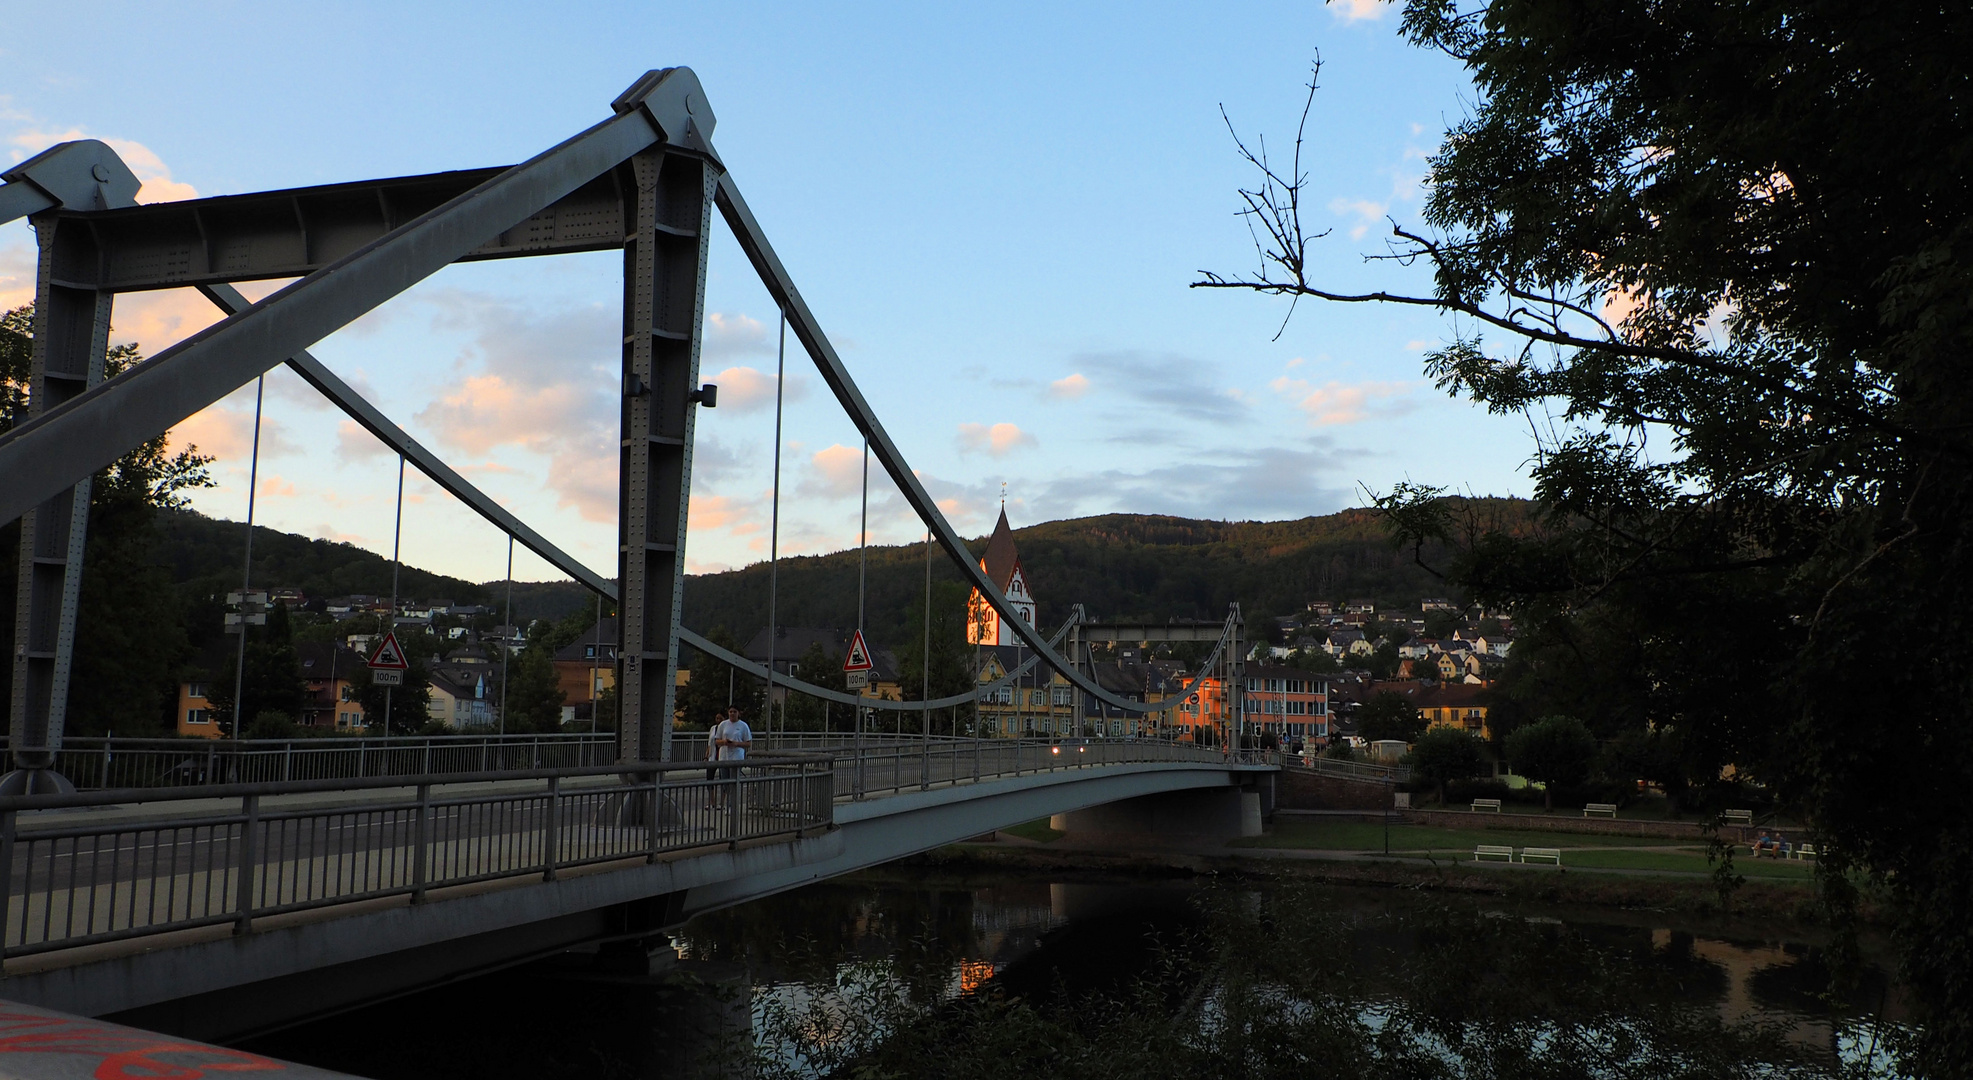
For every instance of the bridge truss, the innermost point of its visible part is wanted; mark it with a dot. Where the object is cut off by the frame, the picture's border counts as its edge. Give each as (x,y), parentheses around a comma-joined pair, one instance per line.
(645,182)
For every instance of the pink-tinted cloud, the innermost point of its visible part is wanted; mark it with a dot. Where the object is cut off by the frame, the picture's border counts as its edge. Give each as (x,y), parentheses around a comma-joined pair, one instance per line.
(1069,387)
(544,383)
(835,472)
(745,389)
(998,440)
(1336,402)
(1357,10)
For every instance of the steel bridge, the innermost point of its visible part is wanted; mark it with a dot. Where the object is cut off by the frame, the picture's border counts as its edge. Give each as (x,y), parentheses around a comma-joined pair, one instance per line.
(204,893)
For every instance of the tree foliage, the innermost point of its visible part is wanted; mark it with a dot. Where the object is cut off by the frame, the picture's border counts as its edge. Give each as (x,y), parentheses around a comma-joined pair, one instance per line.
(1553,750)
(131,639)
(1444,754)
(1720,257)
(1389,715)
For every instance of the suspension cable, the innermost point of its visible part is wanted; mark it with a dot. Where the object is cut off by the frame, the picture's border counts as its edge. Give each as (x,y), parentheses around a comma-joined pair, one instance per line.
(774,536)
(396,537)
(246,571)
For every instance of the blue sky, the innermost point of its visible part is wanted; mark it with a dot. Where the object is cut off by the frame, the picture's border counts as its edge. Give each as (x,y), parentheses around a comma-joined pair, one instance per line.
(995,211)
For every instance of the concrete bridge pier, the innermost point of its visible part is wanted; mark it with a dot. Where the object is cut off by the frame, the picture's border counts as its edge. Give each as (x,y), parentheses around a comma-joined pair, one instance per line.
(1199,813)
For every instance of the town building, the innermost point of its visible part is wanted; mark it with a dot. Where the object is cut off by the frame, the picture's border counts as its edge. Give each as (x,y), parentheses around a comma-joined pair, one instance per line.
(328,673)
(1002,566)
(585,668)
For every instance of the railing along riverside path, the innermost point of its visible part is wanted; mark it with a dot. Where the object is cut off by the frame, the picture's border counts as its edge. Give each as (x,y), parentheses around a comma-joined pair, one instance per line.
(101,764)
(1348,770)
(232,853)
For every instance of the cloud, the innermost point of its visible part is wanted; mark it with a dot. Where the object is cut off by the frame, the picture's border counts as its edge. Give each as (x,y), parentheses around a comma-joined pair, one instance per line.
(1293,364)
(834,472)
(1366,212)
(1069,387)
(1336,402)
(355,443)
(999,440)
(1234,484)
(744,389)
(712,460)
(734,335)
(1170,385)
(17,269)
(277,487)
(225,430)
(1357,10)
(545,383)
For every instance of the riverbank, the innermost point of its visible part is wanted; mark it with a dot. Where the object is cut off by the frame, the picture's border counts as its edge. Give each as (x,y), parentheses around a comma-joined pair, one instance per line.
(1790,902)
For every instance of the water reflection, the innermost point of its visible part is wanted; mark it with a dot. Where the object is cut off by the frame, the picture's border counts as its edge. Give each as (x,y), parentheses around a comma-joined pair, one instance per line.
(766,976)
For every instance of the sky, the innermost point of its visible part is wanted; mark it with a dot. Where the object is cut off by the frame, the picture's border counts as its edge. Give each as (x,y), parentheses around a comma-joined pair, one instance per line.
(995,211)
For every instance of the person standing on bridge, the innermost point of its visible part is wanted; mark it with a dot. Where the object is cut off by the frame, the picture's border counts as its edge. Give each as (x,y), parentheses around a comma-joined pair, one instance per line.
(727,744)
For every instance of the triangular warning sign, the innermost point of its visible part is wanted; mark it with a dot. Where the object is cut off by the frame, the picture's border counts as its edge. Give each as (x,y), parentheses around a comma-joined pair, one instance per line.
(388,655)
(858,657)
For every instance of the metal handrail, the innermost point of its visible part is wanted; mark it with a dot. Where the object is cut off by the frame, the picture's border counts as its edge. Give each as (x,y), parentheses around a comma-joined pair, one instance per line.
(87,883)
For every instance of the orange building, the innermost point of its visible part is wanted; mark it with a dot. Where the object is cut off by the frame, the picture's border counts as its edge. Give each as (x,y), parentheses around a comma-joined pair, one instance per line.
(1289,702)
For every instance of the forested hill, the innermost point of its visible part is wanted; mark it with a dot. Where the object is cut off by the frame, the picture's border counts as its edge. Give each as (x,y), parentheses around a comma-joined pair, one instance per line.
(1122,566)
(203,551)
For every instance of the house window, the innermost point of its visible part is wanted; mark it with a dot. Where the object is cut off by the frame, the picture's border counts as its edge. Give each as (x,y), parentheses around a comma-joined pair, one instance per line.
(589,650)
(349,693)
(1062,695)
(1036,698)
(198,716)
(1004,695)
(197,690)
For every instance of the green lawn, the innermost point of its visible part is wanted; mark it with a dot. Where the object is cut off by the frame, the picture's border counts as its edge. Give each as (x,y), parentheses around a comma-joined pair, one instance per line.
(1037,831)
(1369,836)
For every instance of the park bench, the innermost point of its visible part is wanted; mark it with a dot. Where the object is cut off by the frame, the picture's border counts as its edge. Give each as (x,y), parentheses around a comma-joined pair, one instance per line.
(1487,804)
(1493,850)
(1739,817)
(1552,854)
(1607,809)
(1805,851)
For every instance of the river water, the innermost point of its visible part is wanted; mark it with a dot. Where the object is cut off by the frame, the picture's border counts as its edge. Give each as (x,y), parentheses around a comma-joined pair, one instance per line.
(875,970)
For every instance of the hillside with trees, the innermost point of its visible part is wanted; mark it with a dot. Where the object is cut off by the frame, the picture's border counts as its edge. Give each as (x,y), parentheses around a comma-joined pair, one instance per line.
(1125,566)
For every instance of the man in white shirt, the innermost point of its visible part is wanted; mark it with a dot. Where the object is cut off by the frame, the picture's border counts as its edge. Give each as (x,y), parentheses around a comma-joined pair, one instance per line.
(727,743)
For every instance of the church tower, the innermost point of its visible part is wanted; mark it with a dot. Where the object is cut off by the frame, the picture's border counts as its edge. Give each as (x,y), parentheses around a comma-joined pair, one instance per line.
(1003,567)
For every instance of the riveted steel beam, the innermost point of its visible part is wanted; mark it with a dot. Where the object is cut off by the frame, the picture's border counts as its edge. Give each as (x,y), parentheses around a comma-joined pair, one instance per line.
(71,340)
(664,277)
(73,440)
(294,233)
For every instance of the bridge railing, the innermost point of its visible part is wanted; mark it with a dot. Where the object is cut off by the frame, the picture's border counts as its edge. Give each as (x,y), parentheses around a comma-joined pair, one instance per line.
(1349,770)
(129,863)
(888,764)
(107,763)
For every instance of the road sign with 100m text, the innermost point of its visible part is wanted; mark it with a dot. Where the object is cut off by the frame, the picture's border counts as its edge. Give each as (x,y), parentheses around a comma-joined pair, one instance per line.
(856,680)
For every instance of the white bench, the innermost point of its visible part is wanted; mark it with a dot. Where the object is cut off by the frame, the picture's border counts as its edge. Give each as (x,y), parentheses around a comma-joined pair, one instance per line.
(1805,851)
(1486,804)
(1552,854)
(1739,817)
(1607,809)
(1493,850)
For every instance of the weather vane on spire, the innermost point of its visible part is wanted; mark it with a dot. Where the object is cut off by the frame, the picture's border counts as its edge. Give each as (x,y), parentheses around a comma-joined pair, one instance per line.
(1003,494)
